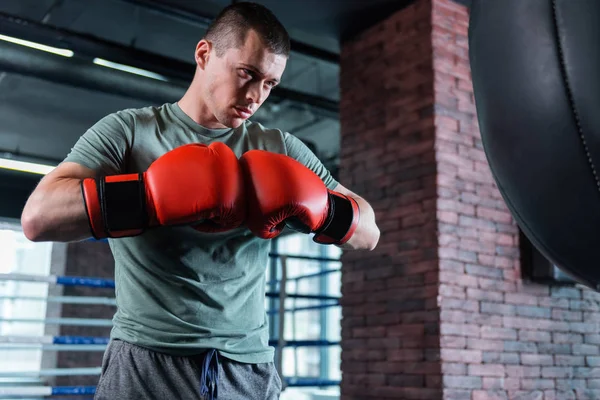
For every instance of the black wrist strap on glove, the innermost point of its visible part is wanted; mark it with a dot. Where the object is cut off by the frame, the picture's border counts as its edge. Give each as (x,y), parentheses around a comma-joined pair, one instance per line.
(342,220)
(115,205)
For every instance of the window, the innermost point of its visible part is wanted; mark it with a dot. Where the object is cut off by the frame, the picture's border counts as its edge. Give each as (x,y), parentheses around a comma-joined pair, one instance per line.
(20,256)
(535,267)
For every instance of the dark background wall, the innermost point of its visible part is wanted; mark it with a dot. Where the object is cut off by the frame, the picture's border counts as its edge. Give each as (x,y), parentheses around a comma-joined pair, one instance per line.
(15,188)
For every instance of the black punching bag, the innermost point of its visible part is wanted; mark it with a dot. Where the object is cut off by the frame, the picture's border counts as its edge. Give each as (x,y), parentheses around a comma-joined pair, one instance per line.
(536,77)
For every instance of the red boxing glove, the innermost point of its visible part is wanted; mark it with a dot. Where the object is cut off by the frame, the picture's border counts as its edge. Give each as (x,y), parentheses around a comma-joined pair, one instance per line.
(281,191)
(192,184)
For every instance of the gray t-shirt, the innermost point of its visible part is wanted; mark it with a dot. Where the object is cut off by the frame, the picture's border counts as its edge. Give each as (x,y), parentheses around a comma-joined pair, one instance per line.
(178,290)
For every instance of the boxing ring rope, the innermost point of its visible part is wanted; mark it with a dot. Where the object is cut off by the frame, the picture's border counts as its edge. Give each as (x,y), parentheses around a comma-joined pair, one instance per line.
(109,283)
(51,372)
(88,340)
(105,301)
(303,296)
(84,343)
(306,308)
(8,392)
(52,347)
(61,280)
(302,257)
(62,321)
(75,340)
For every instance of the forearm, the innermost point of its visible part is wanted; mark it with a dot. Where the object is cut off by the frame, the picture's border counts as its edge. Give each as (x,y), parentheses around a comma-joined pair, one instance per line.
(366,235)
(56,213)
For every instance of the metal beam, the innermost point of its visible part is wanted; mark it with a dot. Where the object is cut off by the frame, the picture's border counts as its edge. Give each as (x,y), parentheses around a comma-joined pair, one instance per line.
(80,71)
(89,46)
(204,21)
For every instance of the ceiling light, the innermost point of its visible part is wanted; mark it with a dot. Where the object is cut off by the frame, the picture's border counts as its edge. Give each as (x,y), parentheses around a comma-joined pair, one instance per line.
(25,166)
(38,46)
(130,69)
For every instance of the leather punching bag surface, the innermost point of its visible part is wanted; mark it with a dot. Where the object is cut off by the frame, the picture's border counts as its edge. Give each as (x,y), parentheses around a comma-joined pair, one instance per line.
(536,77)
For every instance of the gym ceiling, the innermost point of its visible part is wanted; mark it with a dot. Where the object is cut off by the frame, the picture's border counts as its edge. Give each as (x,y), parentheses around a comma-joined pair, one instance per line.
(47,102)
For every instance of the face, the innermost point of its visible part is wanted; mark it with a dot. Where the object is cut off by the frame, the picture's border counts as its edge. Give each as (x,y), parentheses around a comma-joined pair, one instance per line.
(236,84)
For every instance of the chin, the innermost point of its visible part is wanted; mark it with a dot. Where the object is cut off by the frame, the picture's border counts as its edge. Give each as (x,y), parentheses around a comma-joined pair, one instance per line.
(234,122)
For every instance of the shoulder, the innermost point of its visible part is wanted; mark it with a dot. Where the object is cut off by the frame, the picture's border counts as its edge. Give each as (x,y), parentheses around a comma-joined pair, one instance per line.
(133,115)
(128,121)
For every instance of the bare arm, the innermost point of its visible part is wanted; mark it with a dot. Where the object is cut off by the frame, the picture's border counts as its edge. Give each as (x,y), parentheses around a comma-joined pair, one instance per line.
(55,210)
(366,235)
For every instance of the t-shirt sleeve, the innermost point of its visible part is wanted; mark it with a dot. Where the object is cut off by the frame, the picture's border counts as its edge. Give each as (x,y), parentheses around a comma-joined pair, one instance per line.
(105,145)
(300,152)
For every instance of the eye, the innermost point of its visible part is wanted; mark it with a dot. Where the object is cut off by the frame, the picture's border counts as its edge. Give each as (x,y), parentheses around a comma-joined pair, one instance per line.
(246,73)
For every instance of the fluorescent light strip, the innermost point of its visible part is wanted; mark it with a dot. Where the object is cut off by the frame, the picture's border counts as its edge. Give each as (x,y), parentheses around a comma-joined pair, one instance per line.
(130,69)
(25,166)
(38,46)
(97,61)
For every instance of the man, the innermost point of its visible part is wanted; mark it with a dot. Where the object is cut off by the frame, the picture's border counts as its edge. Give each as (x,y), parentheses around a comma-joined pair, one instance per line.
(187,193)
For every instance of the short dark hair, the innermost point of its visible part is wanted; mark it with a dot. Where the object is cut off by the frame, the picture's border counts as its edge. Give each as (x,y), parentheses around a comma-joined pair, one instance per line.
(230,27)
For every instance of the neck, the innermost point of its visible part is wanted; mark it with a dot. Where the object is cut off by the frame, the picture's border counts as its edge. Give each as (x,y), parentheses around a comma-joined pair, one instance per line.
(193,105)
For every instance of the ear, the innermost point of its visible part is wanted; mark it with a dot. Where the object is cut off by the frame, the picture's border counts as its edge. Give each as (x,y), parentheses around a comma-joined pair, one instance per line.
(202,53)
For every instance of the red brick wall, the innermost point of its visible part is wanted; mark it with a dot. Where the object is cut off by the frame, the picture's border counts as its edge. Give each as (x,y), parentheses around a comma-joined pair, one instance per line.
(390,325)
(411,146)
(501,337)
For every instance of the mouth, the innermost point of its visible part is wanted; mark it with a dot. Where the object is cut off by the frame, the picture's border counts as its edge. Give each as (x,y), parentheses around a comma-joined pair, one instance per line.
(243,112)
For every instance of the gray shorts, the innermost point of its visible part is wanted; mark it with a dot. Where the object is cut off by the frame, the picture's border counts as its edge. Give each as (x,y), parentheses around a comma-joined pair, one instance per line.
(133,372)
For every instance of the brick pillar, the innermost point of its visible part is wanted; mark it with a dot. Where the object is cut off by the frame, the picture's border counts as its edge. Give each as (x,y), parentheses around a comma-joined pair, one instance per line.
(440,310)
(390,325)
(86,259)
(477,236)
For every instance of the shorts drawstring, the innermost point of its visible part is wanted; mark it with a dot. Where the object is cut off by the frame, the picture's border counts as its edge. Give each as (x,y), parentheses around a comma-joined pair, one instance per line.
(210,375)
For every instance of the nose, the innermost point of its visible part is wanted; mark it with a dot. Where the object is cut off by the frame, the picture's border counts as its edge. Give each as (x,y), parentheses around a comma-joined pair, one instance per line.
(255,93)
